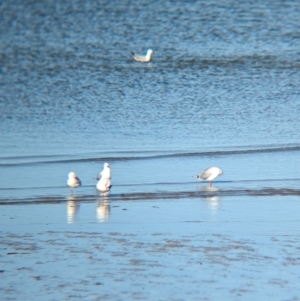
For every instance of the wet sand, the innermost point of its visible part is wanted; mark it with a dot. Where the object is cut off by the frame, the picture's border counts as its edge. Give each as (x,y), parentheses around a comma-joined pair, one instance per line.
(229,248)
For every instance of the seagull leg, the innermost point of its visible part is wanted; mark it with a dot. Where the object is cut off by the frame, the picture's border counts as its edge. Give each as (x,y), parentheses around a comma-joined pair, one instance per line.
(210,184)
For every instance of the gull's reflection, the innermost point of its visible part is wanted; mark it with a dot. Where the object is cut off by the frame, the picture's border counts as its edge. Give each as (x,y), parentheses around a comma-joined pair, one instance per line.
(213,203)
(103,194)
(72,208)
(212,200)
(103,209)
(208,188)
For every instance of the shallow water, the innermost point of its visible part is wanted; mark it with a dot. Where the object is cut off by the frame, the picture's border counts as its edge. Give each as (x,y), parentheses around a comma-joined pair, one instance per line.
(221,90)
(231,248)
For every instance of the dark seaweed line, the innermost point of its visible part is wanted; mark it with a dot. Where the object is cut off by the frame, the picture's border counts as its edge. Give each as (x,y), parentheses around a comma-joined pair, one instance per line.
(156,196)
(164,156)
(210,194)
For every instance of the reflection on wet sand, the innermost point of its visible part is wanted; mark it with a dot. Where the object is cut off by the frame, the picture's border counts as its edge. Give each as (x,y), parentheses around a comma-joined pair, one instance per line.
(103,209)
(72,208)
(212,200)
(213,203)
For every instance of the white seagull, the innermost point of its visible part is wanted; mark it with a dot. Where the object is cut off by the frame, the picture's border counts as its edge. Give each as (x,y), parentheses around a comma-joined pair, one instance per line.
(143,58)
(73,181)
(210,174)
(104,177)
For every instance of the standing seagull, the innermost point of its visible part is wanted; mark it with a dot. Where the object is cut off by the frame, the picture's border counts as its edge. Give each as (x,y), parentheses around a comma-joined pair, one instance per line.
(104,183)
(143,58)
(210,174)
(73,181)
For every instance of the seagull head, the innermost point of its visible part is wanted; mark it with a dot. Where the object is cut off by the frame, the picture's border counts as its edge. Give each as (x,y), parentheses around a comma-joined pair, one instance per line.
(72,175)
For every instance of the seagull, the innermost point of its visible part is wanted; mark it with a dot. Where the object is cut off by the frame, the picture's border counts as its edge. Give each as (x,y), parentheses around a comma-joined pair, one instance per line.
(143,58)
(210,174)
(104,183)
(73,181)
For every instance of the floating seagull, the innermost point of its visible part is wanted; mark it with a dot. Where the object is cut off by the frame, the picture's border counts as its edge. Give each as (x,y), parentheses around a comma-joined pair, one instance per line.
(73,181)
(104,183)
(143,58)
(210,174)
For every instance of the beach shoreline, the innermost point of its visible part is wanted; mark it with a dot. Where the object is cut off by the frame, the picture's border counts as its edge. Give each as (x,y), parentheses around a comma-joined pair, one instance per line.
(162,250)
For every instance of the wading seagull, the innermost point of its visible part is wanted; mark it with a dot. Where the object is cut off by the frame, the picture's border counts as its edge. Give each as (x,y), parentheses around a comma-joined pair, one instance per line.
(143,58)
(210,174)
(73,181)
(104,183)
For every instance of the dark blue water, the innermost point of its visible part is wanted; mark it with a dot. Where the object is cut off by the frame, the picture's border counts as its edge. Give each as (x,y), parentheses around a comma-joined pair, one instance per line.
(224,81)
